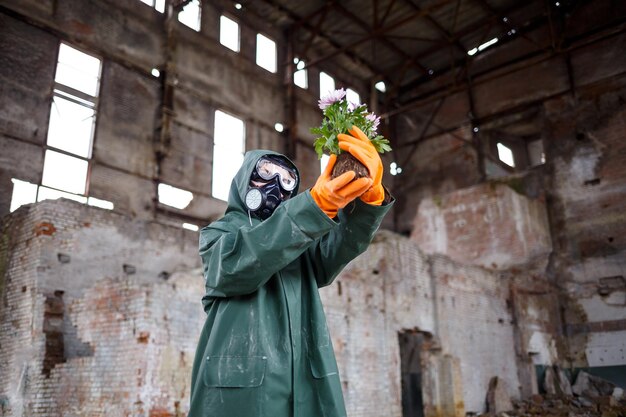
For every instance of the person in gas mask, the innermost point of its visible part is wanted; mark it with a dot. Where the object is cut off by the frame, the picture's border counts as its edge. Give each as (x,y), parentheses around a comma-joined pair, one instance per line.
(265,349)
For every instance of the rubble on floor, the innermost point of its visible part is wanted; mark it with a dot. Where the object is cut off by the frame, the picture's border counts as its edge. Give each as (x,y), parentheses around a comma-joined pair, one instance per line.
(589,396)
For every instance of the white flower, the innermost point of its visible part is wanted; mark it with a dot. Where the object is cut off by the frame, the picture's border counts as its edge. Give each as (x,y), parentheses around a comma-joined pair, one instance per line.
(332,98)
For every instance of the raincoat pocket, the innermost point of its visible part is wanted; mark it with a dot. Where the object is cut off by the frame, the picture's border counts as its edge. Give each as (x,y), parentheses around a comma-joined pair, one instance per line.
(323,363)
(234,371)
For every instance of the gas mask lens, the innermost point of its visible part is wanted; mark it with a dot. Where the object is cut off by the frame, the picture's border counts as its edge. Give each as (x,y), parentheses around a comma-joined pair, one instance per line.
(268,169)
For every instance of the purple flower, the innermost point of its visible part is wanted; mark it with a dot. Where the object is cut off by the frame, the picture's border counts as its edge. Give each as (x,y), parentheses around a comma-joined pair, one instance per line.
(332,98)
(374,119)
(352,106)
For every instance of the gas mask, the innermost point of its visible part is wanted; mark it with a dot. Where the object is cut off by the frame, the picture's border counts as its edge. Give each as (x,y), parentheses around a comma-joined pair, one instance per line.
(273,181)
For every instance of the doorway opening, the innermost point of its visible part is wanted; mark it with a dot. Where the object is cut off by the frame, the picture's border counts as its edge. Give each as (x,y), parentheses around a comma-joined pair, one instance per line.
(411,345)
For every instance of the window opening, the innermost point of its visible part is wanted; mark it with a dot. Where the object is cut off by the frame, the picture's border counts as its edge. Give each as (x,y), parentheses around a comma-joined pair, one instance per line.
(229,33)
(324,162)
(78,70)
(352,96)
(228,150)
(300,77)
(327,84)
(505,154)
(47,193)
(482,47)
(380,86)
(536,154)
(70,132)
(71,126)
(174,197)
(64,172)
(192,227)
(190,15)
(265,52)
(394,169)
(157,4)
(96,202)
(23,193)
(72,119)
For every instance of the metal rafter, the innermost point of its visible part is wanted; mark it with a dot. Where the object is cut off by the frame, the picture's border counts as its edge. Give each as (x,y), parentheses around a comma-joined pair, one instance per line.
(302,20)
(309,27)
(470,29)
(317,28)
(378,32)
(381,39)
(478,25)
(389,7)
(440,29)
(507,25)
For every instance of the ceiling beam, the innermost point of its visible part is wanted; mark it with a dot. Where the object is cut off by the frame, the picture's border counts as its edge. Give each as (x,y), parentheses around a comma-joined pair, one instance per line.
(295,18)
(377,32)
(449,38)
(395,48)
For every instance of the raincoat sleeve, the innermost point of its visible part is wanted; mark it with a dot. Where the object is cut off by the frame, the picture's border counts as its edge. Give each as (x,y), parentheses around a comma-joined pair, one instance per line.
(238,259)
(357,224)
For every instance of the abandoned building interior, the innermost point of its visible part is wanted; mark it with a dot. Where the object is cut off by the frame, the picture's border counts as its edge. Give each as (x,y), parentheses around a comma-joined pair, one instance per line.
(500,269)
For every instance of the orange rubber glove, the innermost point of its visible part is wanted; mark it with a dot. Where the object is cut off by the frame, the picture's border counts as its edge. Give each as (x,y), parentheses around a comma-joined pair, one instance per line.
(362,149)
(332,195)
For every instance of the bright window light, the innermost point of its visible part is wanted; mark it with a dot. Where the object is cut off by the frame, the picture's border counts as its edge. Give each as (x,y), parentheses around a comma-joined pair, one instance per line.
(380,86)
(46,193)
(64,172)
(324,162)
(279,127)
(190,15)
(228,149)
(238,6)
(96,202)
(190,226)
(265,53)
(229,33)
(505,154)
(352,96)
(157,4)
(300,77)
(482,47)
(174,197)
(23,193)
(327,84)
(155,72)
(78,70)
(394,169)
(71,127)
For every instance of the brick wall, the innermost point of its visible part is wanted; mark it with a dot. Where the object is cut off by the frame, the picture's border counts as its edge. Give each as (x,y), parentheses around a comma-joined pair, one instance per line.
(589,194)
(491,225)
(100,314)
(110,311)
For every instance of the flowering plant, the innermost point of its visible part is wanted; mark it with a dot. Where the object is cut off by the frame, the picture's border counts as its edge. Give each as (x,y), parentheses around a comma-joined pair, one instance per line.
(339,117)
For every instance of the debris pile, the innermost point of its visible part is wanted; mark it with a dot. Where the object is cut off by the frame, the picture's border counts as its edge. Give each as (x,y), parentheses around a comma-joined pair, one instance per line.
(589,396)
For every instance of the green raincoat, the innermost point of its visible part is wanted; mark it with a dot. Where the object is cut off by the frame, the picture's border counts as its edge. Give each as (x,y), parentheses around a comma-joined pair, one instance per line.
(265,349)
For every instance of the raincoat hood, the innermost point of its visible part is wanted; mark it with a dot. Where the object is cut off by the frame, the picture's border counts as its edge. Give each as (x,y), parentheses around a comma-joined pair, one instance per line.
(239,186)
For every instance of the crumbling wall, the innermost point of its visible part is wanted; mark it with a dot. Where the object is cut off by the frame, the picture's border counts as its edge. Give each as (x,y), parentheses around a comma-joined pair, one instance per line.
(491,225)
(109,310)
(100,314)
(464,311)
(586,136)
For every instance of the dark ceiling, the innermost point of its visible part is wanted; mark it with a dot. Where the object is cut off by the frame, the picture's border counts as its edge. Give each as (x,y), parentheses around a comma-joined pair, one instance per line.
(411,44)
